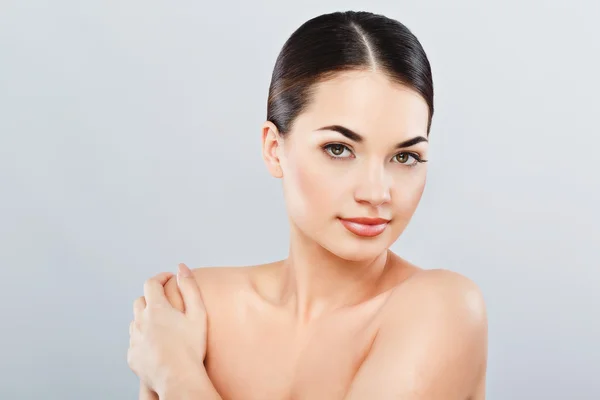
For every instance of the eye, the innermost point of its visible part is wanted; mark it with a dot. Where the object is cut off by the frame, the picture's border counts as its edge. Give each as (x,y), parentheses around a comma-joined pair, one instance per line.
(337,150)
(405,158)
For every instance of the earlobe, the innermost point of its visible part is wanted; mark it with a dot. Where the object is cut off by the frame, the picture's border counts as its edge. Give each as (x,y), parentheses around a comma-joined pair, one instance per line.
(270,149)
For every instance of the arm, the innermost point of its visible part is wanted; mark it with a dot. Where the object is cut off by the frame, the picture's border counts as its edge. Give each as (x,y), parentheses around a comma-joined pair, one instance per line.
(174,297)
(432,343)
(200,387)
(146,393)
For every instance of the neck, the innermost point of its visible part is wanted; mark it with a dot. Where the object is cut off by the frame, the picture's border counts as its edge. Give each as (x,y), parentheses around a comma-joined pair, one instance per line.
(316,281)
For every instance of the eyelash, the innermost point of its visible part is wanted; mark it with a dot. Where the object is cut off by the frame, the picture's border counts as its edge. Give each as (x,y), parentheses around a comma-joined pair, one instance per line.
(417,157)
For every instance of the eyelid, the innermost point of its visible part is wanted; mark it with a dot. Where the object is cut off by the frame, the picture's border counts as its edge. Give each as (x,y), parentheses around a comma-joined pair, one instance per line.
(413,153)
(339,144)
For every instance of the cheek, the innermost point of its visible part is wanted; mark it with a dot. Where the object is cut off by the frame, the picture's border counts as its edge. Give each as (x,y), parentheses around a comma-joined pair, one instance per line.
(313,192)
(315,188)
(408,195)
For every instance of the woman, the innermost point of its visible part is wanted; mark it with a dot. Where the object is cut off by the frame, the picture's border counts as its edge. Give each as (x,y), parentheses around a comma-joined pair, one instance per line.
(343,317)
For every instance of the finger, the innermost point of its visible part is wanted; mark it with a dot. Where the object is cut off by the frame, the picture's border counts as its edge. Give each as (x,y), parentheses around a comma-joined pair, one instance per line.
(138,307)
(192,298)
(132,328)
(134,332)
(131,360)
(163,277)
(154,291)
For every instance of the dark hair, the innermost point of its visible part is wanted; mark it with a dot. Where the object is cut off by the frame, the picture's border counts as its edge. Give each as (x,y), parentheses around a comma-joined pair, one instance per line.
(344,41)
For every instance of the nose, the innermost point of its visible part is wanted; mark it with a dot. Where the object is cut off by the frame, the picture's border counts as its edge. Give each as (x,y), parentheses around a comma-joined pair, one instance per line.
(373,187)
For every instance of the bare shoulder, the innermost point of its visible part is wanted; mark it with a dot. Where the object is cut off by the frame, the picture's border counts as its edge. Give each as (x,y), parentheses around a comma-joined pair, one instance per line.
(418,291)
(441,307)
(432,341)
(215,284)
(218,284)
(441,289)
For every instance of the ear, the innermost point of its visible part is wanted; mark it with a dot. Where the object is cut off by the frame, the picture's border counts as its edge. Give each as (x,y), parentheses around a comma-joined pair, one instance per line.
(271,148)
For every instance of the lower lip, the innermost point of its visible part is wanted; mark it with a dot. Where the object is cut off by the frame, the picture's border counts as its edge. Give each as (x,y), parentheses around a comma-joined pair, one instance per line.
(364,229)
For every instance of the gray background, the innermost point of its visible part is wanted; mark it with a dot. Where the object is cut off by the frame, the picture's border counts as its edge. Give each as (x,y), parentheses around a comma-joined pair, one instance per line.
(130,141)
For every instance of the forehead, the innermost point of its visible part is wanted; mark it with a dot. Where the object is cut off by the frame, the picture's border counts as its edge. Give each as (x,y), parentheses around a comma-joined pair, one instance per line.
(368,102)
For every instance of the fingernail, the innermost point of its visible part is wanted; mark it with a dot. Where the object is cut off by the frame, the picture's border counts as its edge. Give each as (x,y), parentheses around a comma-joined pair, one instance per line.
(184,271)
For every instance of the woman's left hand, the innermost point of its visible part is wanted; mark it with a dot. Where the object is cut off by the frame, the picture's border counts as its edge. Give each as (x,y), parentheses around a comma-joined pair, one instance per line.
(167,347)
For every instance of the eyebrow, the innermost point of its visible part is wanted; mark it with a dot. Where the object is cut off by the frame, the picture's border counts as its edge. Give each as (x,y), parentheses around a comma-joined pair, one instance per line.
(350,134)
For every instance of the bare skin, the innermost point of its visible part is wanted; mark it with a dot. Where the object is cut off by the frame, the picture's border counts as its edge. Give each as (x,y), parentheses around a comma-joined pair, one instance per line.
(258,348)
(343,317)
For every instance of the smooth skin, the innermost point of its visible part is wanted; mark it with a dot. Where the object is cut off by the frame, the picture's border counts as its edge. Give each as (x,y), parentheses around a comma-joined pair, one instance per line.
(343,317)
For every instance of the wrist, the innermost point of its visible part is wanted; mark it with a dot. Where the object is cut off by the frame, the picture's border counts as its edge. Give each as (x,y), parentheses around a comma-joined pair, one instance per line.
(180,392)
(194,386)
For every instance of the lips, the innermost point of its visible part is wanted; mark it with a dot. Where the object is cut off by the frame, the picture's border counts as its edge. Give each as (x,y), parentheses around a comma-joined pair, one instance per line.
(365,227)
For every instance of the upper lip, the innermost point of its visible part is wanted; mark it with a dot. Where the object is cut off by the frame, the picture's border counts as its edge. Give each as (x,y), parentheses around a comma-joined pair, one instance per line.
(367,221)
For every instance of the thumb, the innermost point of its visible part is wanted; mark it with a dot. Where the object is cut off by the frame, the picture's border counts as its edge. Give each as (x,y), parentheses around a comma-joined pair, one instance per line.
(192,298)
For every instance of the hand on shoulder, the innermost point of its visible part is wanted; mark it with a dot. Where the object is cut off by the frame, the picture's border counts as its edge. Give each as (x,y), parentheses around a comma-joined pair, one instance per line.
(213,282)
(204,277)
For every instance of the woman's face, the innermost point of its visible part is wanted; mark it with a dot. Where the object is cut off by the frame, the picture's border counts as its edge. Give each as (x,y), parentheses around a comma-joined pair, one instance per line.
(354,154)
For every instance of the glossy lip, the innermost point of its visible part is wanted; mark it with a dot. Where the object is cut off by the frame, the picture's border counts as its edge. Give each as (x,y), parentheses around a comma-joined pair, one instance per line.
(365,227)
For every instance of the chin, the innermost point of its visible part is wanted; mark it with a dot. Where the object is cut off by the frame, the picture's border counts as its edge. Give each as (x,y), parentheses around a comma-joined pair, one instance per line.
(356,249)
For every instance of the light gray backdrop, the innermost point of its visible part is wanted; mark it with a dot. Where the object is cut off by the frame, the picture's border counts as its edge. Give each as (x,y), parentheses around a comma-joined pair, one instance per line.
(130,141)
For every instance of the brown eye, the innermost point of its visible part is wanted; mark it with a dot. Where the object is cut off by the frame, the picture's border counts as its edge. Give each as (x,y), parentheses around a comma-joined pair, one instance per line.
(402,158)
(405,159)
(337,149)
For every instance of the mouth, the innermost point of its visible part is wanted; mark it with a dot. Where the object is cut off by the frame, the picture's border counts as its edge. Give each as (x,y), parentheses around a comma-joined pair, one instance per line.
(365,227)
